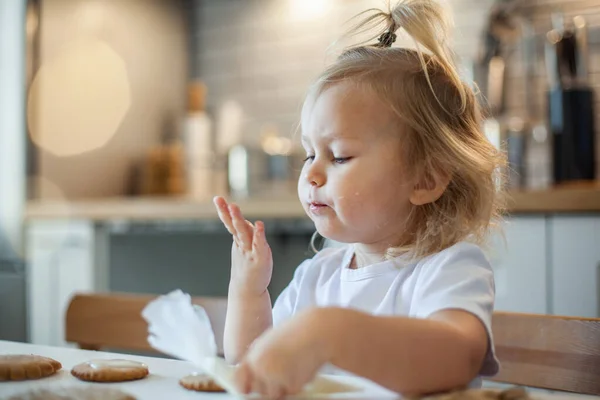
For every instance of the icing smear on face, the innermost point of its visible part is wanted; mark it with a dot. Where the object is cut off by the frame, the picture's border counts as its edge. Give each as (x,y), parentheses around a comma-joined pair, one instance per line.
(115,363)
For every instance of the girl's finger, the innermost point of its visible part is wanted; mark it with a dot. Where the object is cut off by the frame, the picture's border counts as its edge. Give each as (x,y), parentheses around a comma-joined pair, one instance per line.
(224,214)
(275,391)
(243,378)
(258,386)
(259,241)
(243,232)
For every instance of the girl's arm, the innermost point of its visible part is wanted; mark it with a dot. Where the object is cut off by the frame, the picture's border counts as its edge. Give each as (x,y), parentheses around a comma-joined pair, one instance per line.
(248,316)
(248,305)
(406,355)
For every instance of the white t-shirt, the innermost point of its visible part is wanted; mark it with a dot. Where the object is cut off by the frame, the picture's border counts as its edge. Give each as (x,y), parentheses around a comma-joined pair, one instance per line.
(459,277)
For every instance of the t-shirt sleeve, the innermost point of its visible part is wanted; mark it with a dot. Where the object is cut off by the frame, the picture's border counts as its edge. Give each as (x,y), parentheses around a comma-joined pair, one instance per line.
(287,302)
(459,278)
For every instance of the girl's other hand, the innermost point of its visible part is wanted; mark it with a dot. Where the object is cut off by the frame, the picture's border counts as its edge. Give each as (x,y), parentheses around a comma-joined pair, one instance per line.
(251,258)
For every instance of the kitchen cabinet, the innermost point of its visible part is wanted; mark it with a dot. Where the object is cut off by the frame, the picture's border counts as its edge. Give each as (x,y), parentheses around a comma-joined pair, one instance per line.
(519,261)
(550,263)
(60,262)
(575,267)
(13,312)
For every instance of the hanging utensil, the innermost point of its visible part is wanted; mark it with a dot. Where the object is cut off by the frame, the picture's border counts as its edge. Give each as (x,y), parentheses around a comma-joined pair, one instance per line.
(582,52)
(571,113)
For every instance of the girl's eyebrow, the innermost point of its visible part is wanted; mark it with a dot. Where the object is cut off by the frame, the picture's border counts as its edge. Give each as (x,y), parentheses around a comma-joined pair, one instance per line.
(330,137)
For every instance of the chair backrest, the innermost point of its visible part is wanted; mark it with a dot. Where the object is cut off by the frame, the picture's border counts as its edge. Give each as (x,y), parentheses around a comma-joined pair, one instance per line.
(114,320)
(548,352)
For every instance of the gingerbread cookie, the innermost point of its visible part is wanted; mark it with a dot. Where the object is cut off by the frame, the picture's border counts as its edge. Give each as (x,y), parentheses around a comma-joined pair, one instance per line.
(19,367)
(512,393)
(200,383)
(110,370)
(74,393)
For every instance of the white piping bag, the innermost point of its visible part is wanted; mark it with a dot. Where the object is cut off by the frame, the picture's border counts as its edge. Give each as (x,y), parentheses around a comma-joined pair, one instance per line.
(182,330)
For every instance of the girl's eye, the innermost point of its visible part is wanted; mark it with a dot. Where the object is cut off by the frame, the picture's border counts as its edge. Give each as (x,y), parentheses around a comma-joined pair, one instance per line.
(309,158)
(341,160)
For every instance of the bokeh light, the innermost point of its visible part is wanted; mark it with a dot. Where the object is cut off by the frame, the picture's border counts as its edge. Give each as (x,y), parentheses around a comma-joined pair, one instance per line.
(78,99)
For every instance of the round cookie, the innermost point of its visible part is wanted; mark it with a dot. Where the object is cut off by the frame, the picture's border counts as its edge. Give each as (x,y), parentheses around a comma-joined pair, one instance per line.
(110,370)
(19,367)
(74,393)
(200,383)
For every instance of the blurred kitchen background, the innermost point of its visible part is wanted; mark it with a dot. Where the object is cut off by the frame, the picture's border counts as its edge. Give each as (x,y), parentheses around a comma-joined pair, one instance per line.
(121,119)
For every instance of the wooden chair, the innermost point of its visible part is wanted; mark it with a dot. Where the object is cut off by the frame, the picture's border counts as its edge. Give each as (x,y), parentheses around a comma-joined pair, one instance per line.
(113,320)
(540,351)
(548,352)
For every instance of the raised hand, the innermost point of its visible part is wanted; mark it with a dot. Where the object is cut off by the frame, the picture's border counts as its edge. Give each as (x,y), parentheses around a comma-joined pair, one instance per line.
(251,258)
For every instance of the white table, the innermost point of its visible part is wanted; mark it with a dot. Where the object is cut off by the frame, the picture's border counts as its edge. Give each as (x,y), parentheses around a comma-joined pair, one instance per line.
(162,382)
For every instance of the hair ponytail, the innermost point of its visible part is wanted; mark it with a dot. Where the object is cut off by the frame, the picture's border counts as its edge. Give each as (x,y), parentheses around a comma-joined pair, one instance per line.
(426,22)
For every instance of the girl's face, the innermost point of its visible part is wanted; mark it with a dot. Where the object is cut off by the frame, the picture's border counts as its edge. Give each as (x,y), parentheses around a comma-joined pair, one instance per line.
(352,184)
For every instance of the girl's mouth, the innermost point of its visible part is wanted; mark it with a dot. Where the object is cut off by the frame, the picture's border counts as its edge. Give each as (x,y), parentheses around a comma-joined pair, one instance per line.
(317,208)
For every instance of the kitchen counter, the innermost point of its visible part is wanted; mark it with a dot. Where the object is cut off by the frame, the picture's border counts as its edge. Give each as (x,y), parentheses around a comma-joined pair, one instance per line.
(574,198)
(140,209)
(568,198)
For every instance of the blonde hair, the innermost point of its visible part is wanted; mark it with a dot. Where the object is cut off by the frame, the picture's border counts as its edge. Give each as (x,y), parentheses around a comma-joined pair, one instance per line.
(440,121)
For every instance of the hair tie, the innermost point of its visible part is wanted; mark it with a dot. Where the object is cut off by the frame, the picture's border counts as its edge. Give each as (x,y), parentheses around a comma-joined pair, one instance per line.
(387,38)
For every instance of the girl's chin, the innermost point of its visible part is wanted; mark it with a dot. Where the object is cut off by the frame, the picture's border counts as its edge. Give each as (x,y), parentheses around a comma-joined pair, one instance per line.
(331,234)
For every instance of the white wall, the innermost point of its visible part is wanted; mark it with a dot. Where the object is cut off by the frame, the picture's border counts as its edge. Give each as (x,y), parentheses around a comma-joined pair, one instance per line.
(114,71)
(263,54)
(12,125)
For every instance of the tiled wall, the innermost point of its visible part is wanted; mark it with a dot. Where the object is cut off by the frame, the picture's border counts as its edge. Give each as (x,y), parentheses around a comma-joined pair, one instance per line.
(262,55)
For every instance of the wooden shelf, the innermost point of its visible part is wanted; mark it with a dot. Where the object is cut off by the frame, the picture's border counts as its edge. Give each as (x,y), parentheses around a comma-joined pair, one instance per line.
(572,198)
(575,198)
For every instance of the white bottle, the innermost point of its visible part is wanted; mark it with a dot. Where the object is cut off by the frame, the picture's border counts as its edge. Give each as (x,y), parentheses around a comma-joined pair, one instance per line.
(198,128)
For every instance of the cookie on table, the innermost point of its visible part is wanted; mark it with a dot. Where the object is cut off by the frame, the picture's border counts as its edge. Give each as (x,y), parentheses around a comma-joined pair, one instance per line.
(110,370)
(20,367)
(200,383)
(512,393)
(74,393)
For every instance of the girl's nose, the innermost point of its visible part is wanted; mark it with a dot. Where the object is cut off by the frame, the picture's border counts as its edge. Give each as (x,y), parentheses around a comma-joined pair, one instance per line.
(315,176)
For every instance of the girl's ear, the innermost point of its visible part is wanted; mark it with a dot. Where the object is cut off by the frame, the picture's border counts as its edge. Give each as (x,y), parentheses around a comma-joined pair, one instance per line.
(430,187)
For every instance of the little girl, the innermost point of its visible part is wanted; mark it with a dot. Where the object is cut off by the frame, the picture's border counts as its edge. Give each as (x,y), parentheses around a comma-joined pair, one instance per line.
(398,170)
